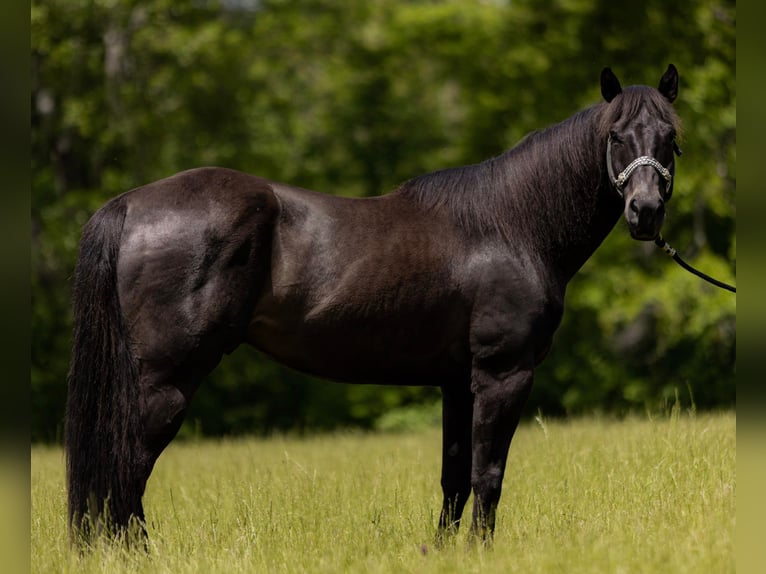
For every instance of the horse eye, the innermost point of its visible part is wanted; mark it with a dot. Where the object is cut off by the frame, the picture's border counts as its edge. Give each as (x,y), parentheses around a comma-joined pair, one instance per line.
(614,137)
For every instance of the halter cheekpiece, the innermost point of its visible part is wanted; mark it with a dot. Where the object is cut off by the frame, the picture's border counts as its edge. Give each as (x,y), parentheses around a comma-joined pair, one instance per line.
(622,178)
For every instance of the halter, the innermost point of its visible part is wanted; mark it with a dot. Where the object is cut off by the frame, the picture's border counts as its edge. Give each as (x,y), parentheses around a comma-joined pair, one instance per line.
(622,178)
(620,181)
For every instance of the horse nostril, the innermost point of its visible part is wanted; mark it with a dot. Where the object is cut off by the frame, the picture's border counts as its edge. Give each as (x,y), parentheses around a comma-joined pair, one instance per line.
(633,206)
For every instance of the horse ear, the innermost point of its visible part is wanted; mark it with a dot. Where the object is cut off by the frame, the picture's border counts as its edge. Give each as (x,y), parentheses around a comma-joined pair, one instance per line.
(669,83)
(610,85)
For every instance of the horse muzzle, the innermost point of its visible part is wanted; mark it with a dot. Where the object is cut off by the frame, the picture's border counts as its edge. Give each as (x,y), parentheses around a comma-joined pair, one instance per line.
(645,216)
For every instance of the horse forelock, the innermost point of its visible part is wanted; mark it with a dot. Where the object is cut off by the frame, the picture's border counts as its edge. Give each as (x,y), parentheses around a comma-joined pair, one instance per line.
(632,101)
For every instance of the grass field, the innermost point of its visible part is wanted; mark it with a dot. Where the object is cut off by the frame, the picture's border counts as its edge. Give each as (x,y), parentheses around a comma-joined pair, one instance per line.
(588,495)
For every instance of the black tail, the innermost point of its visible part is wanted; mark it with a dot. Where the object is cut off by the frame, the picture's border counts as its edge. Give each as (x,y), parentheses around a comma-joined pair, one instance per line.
(104,480)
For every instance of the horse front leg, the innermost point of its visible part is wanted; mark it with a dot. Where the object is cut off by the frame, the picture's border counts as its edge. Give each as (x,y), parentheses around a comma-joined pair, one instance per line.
(498,403)
(457,413)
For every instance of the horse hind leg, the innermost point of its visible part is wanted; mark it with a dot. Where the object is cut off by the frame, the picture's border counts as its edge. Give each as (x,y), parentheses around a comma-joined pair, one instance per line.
(172,368)
(165,401)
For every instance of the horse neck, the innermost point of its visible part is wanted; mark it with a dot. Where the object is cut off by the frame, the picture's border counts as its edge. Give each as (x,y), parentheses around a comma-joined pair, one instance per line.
(567,205)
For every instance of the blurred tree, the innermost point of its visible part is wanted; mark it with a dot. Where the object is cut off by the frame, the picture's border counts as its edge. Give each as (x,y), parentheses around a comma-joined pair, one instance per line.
(352,98)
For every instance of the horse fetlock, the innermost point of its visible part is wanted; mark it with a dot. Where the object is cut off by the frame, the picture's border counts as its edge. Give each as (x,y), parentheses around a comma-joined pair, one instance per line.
(483,523)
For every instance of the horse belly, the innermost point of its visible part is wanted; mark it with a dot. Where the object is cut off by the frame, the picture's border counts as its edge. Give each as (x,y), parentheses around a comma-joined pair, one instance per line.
(412,348)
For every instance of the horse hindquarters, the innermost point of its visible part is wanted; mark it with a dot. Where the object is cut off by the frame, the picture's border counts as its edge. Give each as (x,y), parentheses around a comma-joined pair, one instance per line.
(193,253)
(188,289)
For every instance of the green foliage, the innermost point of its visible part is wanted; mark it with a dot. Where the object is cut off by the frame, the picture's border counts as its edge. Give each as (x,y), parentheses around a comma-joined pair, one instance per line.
(410,418)
(584,495)
(352,98)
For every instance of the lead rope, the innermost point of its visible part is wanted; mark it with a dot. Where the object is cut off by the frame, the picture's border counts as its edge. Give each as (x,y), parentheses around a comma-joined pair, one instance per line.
(662,244)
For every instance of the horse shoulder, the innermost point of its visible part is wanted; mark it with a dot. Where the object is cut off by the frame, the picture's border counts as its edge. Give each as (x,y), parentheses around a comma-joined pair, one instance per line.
(517,308)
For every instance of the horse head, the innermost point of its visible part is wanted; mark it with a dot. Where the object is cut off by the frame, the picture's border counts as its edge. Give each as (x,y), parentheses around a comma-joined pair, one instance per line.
(642,129)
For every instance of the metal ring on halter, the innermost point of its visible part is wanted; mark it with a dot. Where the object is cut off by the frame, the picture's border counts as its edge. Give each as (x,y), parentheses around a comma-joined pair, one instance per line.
(622,178)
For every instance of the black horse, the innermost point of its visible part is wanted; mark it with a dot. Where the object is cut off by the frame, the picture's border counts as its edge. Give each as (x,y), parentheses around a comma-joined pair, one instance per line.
(456,279)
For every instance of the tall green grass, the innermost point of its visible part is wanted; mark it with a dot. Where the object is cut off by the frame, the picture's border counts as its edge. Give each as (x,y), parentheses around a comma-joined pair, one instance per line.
(588,495)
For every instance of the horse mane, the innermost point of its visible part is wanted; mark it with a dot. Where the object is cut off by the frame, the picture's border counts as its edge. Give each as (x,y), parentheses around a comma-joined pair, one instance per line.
(519,195)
